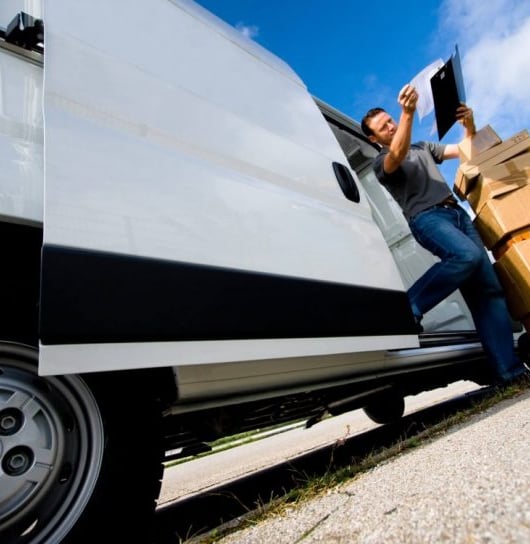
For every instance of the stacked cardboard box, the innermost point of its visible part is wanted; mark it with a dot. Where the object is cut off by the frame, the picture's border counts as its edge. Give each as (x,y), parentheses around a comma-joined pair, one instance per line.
(494,177)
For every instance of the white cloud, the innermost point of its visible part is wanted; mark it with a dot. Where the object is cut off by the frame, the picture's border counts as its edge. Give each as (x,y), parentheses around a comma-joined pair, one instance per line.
(250,31)
(494,41)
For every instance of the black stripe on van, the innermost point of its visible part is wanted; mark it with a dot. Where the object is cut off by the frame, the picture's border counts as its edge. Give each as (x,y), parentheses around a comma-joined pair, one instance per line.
(92,297)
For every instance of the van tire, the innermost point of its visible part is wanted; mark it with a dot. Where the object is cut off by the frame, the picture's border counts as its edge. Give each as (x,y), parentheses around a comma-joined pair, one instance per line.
(98,443)
(386,409)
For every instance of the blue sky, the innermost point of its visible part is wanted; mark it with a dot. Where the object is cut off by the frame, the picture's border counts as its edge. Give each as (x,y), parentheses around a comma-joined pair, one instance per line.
(355,55)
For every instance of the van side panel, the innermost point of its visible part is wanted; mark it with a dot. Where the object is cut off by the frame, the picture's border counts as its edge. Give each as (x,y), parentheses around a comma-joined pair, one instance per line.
(190,193)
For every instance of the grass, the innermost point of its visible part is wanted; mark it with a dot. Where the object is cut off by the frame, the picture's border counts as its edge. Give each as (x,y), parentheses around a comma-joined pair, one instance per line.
(313,487)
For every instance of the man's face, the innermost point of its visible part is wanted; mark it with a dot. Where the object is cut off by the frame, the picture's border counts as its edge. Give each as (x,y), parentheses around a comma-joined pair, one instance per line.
(383,128)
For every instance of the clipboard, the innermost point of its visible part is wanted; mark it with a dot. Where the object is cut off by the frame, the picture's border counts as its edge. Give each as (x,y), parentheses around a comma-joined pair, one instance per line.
(448,92)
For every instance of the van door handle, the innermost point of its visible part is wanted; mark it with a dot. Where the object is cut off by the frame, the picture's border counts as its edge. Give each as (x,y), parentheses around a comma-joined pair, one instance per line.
(346,182)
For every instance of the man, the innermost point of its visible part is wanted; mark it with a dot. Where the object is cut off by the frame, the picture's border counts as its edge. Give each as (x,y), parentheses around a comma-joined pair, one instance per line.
(439,224)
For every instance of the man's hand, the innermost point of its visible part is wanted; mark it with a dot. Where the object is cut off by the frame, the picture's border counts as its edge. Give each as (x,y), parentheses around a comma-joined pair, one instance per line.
(408,98)
(464,115)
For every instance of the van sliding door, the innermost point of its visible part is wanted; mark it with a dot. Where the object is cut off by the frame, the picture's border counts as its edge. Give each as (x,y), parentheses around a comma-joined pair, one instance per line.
(192,210)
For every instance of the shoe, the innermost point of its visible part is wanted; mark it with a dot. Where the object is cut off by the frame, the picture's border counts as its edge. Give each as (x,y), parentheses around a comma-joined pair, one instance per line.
(418,325)
(520,377)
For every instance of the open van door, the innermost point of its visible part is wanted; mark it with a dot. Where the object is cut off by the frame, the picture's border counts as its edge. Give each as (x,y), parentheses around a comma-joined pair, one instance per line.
(198,208)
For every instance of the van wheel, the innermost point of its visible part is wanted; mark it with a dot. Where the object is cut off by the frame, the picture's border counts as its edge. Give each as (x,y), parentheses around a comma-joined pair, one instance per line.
(79,457)
(387,409)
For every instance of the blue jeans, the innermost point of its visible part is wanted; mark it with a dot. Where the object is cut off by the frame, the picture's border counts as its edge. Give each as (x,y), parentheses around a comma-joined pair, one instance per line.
(464,264)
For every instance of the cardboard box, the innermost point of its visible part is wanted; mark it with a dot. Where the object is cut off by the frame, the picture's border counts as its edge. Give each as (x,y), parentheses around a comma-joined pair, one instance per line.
(487,188)
(510,147)
(464,181)
(481,141)
(504,215)
(518,236)
(467,173)
(512,166)
(513,270)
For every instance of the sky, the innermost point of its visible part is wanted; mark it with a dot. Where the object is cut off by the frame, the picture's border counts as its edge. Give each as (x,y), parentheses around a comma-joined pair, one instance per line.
(355,55)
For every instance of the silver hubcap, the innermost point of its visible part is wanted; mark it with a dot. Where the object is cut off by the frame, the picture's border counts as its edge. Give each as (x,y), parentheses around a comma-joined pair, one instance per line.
(51,446)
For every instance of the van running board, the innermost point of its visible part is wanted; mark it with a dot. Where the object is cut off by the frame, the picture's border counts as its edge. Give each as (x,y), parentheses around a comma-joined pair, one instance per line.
(434,339)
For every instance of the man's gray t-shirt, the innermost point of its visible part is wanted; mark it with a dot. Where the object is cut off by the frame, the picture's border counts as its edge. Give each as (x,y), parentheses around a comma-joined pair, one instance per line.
(418,183)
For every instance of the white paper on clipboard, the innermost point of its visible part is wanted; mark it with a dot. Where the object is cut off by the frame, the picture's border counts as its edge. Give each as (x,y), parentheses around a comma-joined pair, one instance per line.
(422,82)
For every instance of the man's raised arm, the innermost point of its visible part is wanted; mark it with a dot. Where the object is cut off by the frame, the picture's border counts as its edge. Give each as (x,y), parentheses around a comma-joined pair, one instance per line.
(399,147)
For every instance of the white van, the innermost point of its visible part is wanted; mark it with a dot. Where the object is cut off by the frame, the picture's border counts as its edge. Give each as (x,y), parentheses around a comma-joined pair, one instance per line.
(192,246)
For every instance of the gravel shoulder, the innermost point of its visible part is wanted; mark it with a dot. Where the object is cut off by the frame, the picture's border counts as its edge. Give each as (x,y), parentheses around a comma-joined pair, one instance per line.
(469,485)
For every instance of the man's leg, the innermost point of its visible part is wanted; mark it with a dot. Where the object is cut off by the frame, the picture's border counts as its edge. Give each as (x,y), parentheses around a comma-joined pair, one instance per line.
(485,298)
(438,230)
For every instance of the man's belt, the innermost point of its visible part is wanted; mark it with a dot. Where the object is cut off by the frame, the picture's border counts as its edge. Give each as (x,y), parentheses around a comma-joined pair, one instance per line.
(449,202)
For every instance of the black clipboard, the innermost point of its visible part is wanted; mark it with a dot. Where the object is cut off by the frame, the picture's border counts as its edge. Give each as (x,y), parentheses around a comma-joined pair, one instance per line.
(448,92)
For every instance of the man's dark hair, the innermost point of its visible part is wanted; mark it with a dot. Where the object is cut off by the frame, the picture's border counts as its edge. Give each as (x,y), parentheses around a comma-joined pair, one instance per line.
(369,115)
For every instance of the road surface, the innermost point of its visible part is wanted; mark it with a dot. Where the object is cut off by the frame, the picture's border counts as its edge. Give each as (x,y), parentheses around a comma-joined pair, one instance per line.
(199,475)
